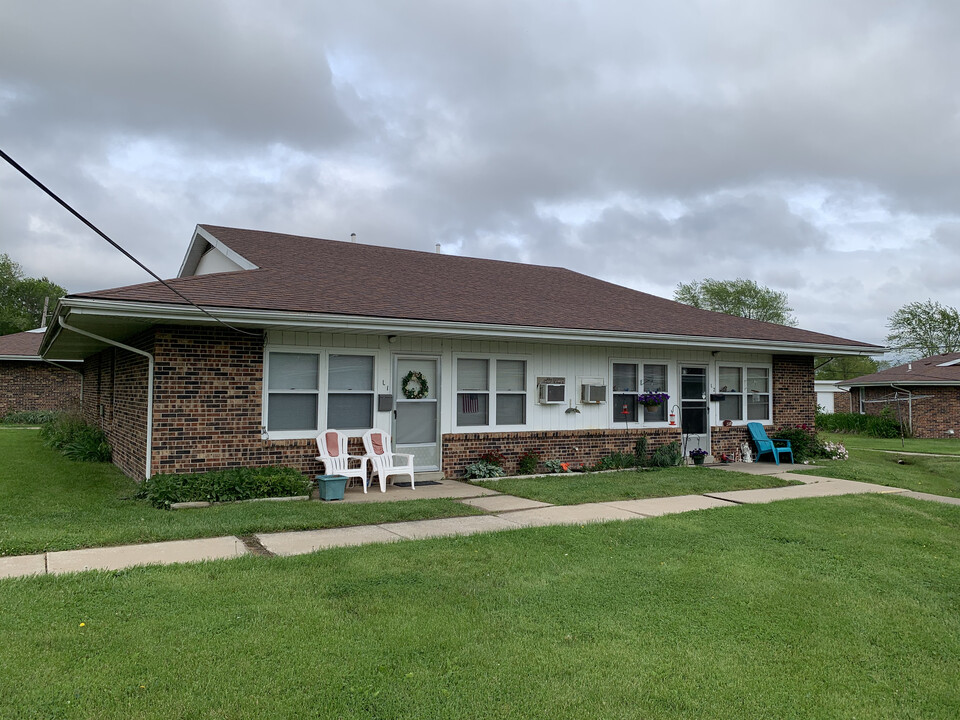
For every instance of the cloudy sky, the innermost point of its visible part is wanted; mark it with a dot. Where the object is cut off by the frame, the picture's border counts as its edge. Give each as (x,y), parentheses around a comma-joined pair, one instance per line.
(811,146)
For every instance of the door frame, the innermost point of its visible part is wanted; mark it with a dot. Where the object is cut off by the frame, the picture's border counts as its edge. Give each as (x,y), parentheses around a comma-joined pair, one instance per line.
(398,398)
(706,436)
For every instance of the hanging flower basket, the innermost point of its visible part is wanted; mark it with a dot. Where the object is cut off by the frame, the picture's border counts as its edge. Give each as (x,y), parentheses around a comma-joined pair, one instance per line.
(652,400)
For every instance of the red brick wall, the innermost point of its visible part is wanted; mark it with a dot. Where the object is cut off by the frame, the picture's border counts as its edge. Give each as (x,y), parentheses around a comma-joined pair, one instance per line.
(794,394)
(728,440)
(575,446)
(207,405)
(115,400)
(27,385)
(932,416)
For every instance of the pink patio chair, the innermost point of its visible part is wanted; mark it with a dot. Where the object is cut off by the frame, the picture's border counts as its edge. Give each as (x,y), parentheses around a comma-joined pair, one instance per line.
(332,445)
(383,461)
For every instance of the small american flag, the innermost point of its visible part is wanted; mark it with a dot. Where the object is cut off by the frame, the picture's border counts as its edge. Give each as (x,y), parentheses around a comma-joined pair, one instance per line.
(470,403)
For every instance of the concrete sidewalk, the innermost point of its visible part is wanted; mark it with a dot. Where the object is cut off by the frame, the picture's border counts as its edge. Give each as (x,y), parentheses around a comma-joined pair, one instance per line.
(506,513)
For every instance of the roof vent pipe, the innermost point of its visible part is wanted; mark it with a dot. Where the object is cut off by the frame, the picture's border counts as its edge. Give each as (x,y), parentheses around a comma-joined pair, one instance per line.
(909,367)
(353,237)
(438,248)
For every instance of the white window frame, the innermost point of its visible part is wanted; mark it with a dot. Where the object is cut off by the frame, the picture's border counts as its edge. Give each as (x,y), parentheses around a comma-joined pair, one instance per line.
(640,421)
(491,392)
(372,392)
(743,394)
(323,369)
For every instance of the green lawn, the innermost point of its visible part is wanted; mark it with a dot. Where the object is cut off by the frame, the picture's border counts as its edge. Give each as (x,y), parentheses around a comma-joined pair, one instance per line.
(576,488)
(828,608)
(941,446)
(937,475)
(50,503)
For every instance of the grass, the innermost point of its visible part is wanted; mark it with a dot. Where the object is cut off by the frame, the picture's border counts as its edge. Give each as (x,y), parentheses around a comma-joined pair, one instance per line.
(937,475)
(942,446)
(48,502)
(828,608)
(575,488)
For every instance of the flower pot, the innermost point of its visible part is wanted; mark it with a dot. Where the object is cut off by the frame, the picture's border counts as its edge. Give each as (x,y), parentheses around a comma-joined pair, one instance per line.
(651,406)
(331,486)
(698,459)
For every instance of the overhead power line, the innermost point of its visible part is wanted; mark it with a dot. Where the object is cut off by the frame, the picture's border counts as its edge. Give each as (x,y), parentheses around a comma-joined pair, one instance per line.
(23,171)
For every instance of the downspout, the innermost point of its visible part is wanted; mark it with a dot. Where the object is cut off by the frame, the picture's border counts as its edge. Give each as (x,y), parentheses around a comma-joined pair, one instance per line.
(149,358)
(909,404)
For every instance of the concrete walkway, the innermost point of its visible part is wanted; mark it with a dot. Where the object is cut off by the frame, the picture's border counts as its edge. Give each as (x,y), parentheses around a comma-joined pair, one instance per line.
(506,513)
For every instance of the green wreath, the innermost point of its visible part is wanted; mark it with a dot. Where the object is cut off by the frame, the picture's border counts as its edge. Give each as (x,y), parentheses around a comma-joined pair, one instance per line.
(417,393)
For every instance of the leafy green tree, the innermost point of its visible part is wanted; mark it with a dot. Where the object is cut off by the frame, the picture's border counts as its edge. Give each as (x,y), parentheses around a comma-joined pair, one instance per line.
(846,367)
(737,297)
(919,329)
(21,298)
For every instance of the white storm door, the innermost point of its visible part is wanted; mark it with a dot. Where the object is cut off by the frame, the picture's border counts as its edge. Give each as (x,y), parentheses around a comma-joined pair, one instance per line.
(416,424)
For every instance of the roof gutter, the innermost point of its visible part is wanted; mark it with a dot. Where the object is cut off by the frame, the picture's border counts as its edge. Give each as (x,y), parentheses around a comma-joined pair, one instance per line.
(149,357)
(378,325)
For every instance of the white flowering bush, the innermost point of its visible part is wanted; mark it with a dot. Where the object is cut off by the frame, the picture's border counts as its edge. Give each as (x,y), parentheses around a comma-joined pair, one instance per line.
(835,451)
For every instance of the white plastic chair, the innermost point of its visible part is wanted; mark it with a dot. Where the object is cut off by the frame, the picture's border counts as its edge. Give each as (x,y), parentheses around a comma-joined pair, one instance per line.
(332,445)
(383,461)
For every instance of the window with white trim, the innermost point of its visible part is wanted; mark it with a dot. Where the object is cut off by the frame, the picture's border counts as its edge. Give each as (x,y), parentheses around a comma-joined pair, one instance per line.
(350,392)
(292,391)
(478,406)
(746,392)
(303,391)
(655,380)
(473,392)
(625,391)
(627,386)
(511,392)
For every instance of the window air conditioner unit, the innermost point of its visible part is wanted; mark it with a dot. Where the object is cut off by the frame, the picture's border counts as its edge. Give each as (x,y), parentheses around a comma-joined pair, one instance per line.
(551,394)
(593,393)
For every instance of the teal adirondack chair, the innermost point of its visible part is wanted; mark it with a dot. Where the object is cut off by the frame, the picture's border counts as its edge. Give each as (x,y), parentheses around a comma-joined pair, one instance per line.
(766,445)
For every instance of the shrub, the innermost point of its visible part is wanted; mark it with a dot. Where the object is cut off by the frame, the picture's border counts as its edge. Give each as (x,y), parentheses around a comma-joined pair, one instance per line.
(556,466)
(527,464)
(668,455)
(640,451)
(615,461)
(493,458)
(88,444)
(834,451)
(70,435)
(224,485)
(804,444)
(29,417)
(482,469)
(884,425)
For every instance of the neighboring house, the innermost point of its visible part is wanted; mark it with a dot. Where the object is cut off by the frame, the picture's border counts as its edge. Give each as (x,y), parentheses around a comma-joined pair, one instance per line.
(495,356)
(28,383)
(925,393)
(830,398)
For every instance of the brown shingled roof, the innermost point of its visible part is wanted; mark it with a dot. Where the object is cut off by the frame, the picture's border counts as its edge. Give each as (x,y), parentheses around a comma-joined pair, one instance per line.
(22,343)
(310,275)
(924,370)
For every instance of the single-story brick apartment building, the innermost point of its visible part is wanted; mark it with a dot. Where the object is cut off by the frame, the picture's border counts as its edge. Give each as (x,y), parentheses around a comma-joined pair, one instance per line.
(453,356)
(28,383)
(925,393)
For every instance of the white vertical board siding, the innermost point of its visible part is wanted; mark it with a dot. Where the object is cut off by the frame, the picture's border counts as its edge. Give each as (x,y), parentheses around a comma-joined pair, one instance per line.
(573,362)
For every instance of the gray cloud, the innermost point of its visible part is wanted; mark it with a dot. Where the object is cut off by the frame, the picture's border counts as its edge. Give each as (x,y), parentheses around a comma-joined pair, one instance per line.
(809,146)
